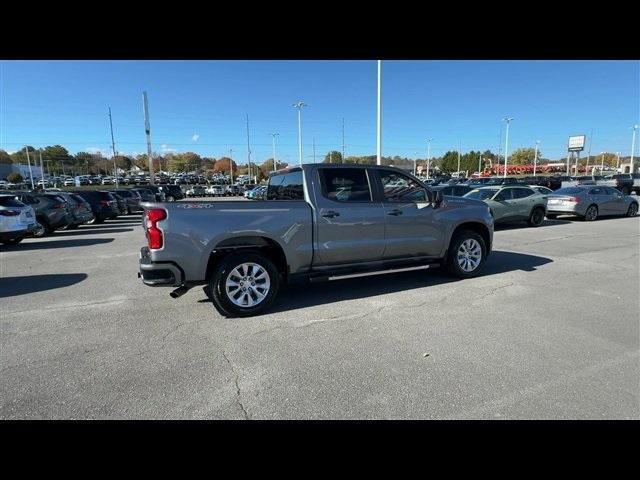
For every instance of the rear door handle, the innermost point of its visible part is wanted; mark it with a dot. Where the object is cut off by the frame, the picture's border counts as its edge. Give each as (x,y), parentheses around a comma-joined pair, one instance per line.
(394,212)
(330,214)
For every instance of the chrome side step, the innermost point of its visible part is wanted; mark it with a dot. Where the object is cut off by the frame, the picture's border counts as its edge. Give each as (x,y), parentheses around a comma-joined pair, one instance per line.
(381,272)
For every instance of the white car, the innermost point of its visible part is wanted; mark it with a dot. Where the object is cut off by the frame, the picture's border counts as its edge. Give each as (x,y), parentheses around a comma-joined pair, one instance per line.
(17,220)
(69,182)
(215,190)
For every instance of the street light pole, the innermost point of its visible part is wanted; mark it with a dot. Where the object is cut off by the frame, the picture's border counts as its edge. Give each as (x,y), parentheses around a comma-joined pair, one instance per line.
(506,145)
(633,146)
(459,148)
(378,129)
(273,138)
(535,158)
(299,106)
(617,161)
(428,156)
(602,163)
(30,172)
(113,148)
(231,165)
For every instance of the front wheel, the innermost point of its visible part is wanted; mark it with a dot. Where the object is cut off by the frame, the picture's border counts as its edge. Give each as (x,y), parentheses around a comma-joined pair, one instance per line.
(537,217)
(467,254)
(42,229)
(633,210)
(244,284)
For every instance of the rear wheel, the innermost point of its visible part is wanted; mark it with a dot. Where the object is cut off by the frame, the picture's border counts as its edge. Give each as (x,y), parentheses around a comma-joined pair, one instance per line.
(633,210)
(244,284)
(467,254)
(42,228)
(591,214)
(537,217)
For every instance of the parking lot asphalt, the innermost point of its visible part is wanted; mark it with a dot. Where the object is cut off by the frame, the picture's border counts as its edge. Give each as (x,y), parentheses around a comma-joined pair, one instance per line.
(549,331)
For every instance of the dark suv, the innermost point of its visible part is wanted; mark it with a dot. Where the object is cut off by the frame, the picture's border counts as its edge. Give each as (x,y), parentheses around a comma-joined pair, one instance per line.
(52,213)
(132,199)
(172,192)
(103,204)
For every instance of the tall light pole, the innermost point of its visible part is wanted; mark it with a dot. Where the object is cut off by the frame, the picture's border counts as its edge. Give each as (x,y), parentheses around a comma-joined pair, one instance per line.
(30,172)
(147,129)
(231,165)
(479,164)
(589,153)
(602,163)
(506,145)
(428,156)
(113,148)
(617,161)
(459,148)
(299,106)
(378,129)
(633,146)
(535,158)
(342,139)
(248,151)
(273,138)
(41,168)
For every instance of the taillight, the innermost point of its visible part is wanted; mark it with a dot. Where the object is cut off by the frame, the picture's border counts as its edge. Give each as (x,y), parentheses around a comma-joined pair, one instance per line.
(9,213)
(58,205)
(573,200)
(104,202)
(154,234)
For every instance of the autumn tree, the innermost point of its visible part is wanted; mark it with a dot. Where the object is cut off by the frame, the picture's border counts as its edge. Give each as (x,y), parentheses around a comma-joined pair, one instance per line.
(20,156)
(223,165)
(14,177)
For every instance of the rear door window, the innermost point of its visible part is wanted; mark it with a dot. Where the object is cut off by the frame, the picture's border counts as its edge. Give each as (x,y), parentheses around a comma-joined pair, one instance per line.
(287,186)
(345,184)
(521,192)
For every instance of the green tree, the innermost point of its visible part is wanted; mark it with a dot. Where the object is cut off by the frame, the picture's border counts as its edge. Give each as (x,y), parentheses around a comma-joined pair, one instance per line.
(333,157)
(14,177)
(20,156)
(523,156)
(449,162)
(5,158)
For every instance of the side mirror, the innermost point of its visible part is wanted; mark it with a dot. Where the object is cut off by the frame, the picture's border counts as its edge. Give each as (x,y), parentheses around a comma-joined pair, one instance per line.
(437,197)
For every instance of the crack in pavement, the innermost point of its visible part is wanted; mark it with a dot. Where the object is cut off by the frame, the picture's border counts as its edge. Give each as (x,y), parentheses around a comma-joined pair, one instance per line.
(492,292)
(238,394)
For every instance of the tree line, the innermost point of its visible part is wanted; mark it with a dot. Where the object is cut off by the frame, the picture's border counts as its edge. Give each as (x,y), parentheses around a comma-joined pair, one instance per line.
(58,160)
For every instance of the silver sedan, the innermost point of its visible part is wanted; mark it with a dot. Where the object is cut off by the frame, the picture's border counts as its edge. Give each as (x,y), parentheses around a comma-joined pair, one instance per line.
(590,202)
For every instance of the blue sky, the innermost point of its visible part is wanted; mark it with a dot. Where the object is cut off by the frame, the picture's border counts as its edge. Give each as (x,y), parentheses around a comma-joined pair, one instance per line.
(200,106)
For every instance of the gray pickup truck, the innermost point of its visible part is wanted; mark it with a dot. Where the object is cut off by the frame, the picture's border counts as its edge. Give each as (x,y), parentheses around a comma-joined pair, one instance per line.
(318,222)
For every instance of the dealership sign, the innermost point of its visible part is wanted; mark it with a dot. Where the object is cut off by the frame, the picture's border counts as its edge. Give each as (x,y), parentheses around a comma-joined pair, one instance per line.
(576,143)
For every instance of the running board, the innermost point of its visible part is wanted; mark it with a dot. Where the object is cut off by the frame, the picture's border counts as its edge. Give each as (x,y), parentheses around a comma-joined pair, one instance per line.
(381,272)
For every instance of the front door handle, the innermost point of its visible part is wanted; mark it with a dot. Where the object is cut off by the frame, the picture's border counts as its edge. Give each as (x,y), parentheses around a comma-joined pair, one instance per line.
(395,212)
(330,214)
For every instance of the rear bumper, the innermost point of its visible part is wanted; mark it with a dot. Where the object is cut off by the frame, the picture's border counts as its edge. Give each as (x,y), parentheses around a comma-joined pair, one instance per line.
(159,274)
(560,209)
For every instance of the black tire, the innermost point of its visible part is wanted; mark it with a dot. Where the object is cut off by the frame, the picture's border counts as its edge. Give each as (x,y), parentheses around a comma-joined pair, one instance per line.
(552,216)
(129,212)
(537,217)
(44,230)
(633,210)
(217,284)
(591,214)
(95,220)
(453,265)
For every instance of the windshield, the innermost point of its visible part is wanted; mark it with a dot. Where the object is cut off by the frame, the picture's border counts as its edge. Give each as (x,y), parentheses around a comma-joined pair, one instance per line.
(481,194)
